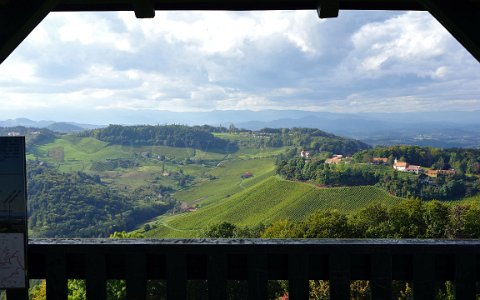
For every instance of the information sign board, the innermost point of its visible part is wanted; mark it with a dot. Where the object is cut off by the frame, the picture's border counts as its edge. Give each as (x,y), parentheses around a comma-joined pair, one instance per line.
(13,208)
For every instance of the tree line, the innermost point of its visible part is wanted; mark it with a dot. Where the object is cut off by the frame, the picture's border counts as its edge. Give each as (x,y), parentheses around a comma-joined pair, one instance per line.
(166,135)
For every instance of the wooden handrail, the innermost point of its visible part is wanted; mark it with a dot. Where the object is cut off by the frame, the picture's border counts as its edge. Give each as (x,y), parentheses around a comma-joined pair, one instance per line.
(257,261)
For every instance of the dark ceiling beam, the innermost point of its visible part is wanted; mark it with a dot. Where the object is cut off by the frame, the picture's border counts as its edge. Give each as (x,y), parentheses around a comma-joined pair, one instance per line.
(461,18)
(17,19)
(240,5)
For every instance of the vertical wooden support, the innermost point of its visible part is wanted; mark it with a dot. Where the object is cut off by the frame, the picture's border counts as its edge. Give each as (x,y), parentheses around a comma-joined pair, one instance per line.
(136,276)
(217,276)
(381,267)
(424,276)
(298,287)
(96,280)
(57,288)
(328,8)
(257,276)
(176,276)
(339,276)
(17,294)
(465,276)
(144,8)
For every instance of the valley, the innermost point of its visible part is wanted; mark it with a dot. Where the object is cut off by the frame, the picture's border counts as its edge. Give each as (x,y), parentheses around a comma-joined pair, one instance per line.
(160,186)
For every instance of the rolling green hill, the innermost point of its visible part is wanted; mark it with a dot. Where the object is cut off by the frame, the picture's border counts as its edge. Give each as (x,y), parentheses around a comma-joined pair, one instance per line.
(267,201)
(205,186)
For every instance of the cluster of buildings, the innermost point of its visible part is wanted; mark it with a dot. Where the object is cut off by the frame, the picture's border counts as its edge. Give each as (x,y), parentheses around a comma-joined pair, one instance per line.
(403,166)
(400,166)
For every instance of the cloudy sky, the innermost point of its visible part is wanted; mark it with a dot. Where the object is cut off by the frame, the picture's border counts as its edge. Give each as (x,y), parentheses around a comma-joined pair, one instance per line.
(87,66)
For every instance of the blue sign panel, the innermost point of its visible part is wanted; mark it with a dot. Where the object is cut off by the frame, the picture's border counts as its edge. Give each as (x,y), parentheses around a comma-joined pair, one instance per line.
(13,213)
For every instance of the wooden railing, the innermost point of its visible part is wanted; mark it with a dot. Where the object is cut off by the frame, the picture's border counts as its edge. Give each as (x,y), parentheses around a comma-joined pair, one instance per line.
(423,262)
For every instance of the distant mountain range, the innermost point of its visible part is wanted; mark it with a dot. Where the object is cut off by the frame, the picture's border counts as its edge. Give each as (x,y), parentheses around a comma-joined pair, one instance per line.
(438,129)
(52,125)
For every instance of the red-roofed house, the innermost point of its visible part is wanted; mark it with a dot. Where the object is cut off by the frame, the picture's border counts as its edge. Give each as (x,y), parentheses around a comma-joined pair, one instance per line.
(400,165)
(414,169)
(246,175)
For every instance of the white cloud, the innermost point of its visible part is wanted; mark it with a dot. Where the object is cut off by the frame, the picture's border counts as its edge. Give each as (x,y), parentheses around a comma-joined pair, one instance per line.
(17,71)
(250,102)
(197,61)
(88,29)
(440,73)
(224,32)
(409,43)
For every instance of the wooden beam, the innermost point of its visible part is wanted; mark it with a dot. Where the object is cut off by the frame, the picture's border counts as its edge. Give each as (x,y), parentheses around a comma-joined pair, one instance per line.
(328,9)
(239,5)
(461,18)
(18,19)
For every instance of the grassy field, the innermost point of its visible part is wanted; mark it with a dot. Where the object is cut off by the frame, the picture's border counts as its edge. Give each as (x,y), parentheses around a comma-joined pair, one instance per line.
(79,152)
(270,200)
(228,181)
(71,153)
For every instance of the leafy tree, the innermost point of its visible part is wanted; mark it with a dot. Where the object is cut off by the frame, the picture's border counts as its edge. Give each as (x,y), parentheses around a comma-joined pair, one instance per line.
(406,219)
(325,224)
(436,217)
(221,230)
(126,235)
(371,222)
(39,291)
(281,229)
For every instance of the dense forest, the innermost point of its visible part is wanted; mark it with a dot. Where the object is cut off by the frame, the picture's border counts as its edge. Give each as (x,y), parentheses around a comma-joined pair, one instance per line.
(80,205)
(167,135)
